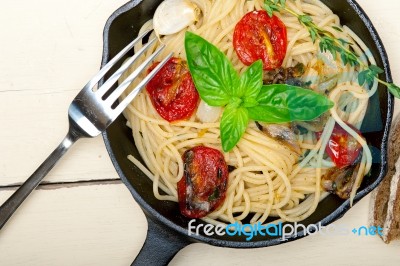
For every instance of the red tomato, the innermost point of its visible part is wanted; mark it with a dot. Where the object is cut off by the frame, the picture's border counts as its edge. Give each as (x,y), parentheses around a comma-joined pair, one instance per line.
(203,186)
(343,148)
(259,36)
(172,91)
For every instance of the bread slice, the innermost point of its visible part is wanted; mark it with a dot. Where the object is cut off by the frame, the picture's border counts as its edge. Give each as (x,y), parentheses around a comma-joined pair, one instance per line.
(391,228)
(385,200)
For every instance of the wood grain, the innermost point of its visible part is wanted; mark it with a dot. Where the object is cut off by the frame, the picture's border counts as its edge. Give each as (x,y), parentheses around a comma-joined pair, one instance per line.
(48,51)
(102,225)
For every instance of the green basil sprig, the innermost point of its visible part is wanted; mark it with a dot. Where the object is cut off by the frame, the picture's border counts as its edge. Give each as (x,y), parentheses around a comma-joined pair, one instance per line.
(246,97)
(281,103)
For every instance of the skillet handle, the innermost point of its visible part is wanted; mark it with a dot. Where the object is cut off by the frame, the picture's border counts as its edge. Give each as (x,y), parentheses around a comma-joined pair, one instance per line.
(160,246)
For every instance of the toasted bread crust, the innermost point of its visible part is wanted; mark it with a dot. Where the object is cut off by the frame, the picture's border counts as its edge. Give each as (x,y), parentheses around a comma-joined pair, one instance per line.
(392,223)
(385,201)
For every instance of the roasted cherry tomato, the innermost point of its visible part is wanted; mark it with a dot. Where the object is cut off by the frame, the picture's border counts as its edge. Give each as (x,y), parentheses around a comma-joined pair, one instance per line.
(172,91)
(343,148)
(203,186)
(259,36)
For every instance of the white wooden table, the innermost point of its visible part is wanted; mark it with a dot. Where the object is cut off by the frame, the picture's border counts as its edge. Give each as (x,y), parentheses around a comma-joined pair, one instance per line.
(48,50)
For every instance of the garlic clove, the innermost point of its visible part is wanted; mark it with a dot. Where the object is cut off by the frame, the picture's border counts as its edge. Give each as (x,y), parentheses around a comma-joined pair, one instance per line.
(173,16)
(208,114)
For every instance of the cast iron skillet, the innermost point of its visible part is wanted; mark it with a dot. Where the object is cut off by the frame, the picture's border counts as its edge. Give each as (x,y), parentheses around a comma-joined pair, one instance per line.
(167,228)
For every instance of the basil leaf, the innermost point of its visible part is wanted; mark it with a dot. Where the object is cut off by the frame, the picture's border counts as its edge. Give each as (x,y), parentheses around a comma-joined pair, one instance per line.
(234,122)
(213,74)
(235,102)
(251,81)
(285,103)
(249,102)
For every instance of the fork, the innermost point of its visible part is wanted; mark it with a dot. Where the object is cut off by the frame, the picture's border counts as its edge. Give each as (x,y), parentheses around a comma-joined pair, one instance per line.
(89,114)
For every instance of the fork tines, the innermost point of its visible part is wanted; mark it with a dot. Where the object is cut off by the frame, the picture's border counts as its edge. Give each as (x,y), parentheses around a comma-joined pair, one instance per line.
(115,94)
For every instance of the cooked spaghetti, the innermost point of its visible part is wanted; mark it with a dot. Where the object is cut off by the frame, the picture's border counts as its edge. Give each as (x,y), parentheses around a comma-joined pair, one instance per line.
(269,179)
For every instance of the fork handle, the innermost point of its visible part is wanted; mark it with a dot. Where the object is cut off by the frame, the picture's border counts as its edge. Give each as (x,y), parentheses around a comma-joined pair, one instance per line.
(12,203)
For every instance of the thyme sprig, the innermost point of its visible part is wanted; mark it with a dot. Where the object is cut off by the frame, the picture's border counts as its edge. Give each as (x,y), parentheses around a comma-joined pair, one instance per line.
(327,42)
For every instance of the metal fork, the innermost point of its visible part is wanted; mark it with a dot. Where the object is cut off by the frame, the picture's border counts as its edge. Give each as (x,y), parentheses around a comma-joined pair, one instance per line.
(90,114)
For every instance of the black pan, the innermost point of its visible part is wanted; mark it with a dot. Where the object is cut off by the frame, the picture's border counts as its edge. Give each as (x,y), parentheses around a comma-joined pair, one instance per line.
(167,228)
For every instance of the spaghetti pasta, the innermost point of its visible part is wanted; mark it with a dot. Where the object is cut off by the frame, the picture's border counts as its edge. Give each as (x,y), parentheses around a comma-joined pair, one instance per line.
(269,179)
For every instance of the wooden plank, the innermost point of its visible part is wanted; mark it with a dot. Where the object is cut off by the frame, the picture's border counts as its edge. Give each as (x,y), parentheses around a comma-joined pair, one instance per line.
(102,225)
(48,52)
(86,225)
